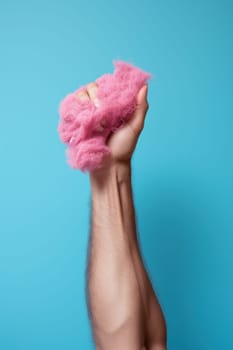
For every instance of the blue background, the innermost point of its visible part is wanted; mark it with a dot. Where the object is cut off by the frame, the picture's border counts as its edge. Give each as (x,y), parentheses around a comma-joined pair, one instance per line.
(182,168)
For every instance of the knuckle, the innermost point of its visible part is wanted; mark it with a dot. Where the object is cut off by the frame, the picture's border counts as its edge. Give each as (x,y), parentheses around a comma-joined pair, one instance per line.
(145,106)
(91,85)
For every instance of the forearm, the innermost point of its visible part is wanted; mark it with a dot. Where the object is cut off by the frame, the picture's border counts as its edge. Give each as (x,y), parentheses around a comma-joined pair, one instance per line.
(114,293)
(149,301)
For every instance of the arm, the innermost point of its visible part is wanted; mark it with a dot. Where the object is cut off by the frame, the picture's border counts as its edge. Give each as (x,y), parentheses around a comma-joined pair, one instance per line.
(124,310)
(115,300)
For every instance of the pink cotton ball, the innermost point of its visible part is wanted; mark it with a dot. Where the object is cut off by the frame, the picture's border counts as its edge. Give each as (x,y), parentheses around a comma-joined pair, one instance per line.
(80,120)
(88,154)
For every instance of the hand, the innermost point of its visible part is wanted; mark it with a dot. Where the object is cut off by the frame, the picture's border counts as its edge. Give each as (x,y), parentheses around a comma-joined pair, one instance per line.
(122,142)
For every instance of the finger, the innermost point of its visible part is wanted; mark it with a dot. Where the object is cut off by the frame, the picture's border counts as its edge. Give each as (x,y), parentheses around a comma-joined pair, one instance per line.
(92,89)
(142,103)
(83,95)
(137,121)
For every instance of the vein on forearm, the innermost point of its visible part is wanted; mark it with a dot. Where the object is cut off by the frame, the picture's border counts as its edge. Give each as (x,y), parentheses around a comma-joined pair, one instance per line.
(110,260)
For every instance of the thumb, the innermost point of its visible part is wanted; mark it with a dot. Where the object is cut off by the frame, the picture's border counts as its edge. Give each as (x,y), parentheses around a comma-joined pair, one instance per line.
(137,121)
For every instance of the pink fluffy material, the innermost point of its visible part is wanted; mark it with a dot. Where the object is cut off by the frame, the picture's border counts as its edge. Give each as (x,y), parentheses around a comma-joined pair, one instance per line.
(85,126)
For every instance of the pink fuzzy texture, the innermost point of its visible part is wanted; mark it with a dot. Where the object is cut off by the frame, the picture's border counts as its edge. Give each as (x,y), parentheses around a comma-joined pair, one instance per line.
(85,126)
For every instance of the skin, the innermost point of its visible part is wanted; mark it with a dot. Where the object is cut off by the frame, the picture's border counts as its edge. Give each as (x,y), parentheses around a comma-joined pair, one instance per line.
(124,310)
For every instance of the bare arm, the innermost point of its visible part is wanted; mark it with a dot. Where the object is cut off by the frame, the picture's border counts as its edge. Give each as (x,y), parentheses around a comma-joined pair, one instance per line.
(124,310)
(114,293)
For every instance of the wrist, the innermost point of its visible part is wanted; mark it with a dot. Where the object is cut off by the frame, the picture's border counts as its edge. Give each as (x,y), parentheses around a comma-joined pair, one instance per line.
(118,170)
